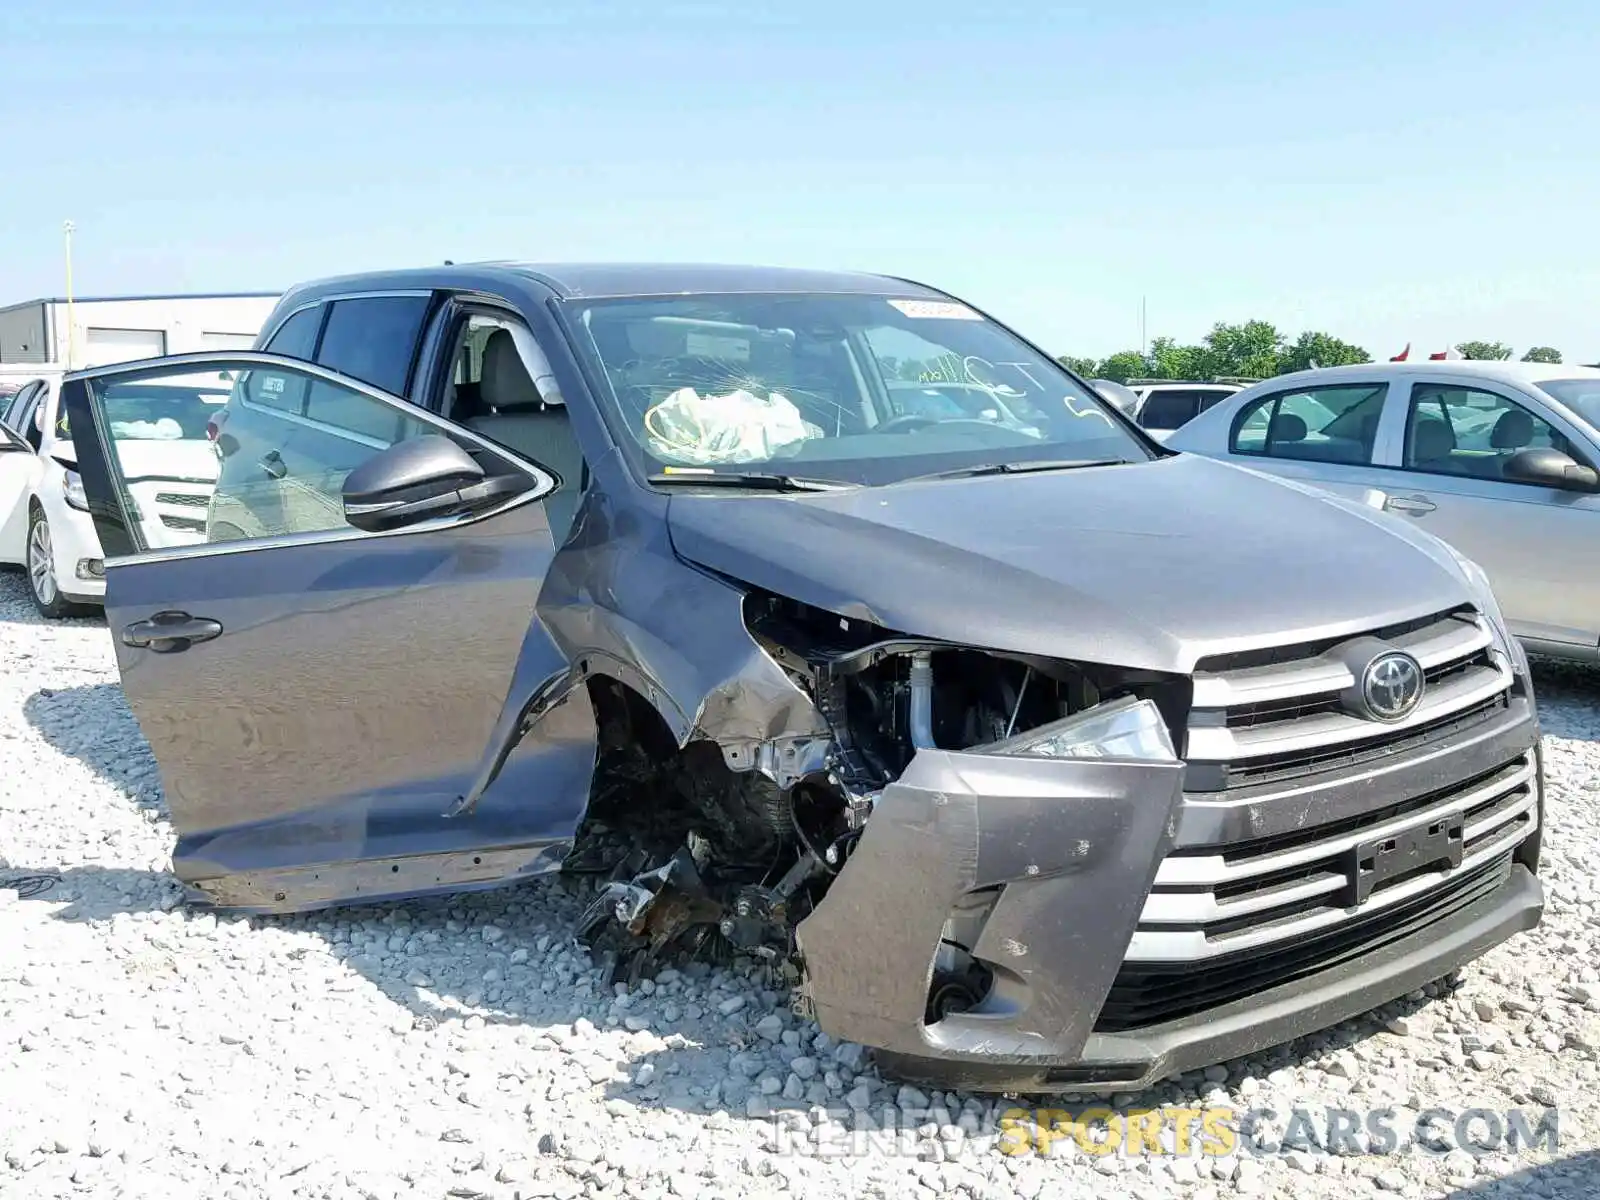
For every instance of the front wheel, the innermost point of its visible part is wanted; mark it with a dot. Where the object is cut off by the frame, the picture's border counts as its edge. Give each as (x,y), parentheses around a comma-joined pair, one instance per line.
(43,585)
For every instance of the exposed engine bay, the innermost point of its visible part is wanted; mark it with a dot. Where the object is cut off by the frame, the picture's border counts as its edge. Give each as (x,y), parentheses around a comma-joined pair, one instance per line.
(713,852)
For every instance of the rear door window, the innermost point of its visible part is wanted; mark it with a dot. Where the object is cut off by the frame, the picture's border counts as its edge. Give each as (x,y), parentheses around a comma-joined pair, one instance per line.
(297,337)
(1336,424)
(374,339)
(1169,409)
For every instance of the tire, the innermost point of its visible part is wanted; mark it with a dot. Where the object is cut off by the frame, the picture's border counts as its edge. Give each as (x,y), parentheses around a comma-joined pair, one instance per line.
(40,568)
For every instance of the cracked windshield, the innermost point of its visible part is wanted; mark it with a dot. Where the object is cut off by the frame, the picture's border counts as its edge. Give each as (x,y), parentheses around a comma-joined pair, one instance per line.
(845,388)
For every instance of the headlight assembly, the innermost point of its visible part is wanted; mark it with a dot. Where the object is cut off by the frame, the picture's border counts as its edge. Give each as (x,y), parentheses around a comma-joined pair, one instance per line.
(1483,596)
(72,490)
(1128,728)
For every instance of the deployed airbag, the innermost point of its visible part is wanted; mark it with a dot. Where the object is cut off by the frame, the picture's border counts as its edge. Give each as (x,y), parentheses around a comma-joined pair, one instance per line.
(738,427)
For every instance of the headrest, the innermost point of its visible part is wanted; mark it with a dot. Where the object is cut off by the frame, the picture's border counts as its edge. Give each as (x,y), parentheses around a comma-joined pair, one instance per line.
(1286,427)
(1512,431)
(1431,440)
(506,385)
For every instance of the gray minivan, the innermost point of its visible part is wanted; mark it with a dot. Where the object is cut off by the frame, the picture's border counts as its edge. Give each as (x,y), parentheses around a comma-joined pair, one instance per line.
(1036,755)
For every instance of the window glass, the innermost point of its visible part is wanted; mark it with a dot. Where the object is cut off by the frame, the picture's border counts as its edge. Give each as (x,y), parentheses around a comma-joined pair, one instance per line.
(352,412)
(193,465)
(14,408)
(1472,432)
(1168,409)
(277,390)
(374,339)
(1580,395)
(1327,424)
(297,337)
(865,389)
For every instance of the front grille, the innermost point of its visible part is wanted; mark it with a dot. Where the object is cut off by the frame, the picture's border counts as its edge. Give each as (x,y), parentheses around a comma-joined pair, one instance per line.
(186,499)
(1301,764)
(1223,921)
(1211,903)
(1267,716)
(1142,996)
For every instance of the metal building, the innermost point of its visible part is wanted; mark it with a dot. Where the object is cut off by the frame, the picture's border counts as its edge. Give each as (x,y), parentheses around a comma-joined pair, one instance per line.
(109,329)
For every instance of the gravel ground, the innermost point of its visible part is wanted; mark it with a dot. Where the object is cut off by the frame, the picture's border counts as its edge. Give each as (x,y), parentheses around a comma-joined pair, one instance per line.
(463,1048)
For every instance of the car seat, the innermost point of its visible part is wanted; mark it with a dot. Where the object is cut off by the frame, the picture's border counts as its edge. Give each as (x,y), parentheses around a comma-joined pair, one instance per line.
(1433,443)
(514,414)
(1512,432)
(1285,429)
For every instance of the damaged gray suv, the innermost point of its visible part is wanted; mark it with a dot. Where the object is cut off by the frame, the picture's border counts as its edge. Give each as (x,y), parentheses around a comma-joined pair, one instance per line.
(828,621)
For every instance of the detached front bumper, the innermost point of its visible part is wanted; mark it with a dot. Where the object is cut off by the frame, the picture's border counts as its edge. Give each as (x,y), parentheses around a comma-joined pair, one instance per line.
(1073,848)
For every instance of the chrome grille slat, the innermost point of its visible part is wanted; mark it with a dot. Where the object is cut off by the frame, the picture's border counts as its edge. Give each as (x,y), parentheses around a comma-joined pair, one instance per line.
(186,499)
(1210,871)
(1194,945)
(1498,814)
(1449,639)
(1473,686)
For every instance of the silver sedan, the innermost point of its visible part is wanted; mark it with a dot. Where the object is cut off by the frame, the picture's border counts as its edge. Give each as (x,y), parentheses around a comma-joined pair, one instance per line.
(1501,460)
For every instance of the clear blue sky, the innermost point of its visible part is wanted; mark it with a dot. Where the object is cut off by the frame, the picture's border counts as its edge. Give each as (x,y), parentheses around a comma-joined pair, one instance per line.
(1420,171)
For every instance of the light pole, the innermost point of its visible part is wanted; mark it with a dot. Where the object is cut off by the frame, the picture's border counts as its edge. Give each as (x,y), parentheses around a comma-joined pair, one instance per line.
(72,328)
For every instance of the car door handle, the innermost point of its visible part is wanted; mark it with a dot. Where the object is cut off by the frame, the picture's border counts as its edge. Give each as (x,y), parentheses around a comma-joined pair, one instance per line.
(168,632)
(1415,505)
(272,464)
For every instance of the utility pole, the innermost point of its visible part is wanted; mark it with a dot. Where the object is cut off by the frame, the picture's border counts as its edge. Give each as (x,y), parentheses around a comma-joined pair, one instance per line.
(72,328)
(1144,343)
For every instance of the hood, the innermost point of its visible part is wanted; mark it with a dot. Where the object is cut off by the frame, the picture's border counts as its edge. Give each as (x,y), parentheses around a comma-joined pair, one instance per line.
(1153,565)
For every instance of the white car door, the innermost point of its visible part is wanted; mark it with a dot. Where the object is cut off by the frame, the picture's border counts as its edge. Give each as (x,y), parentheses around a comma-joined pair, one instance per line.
(19,464)
(1540,546)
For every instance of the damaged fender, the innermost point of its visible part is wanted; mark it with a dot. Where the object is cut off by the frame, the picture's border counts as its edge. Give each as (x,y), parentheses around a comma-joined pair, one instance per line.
(619,603)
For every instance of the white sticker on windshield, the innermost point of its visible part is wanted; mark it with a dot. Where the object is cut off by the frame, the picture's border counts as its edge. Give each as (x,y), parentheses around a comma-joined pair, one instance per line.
(711,345)
(936,310)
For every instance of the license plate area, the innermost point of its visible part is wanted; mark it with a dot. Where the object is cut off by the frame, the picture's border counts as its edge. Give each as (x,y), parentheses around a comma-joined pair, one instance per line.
(1430,845)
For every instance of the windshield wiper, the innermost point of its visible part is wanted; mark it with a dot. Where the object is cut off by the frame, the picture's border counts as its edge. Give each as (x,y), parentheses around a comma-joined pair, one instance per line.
(762,480)
(1019,468)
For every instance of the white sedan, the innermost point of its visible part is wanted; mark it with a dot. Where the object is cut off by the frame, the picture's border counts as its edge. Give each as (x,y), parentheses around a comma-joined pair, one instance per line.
(1499,459)
(163,437)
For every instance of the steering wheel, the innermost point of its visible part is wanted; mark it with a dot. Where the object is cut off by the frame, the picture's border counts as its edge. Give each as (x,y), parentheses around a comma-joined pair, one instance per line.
(905,421)
(918,421)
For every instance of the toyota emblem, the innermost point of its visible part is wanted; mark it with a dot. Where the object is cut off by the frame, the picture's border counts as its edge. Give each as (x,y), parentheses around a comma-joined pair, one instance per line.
(1391,686)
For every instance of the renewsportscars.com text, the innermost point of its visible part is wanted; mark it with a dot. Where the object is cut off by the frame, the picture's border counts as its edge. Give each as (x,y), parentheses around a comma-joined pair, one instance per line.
(1210,1132)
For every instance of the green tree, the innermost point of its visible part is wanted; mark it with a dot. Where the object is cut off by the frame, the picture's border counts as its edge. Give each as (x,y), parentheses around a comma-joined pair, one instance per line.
(1168,360)
(1083,366)
(1541,354)
(1252,348)
(1123,366)
(1485,351)
(1323,349)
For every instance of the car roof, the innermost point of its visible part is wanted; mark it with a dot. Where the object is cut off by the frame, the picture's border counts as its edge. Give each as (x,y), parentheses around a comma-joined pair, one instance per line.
(1465,369)
(596,280)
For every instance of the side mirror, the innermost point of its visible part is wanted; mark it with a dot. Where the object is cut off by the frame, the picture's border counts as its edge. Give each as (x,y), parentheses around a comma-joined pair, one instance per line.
(414,480)
(1551,468)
